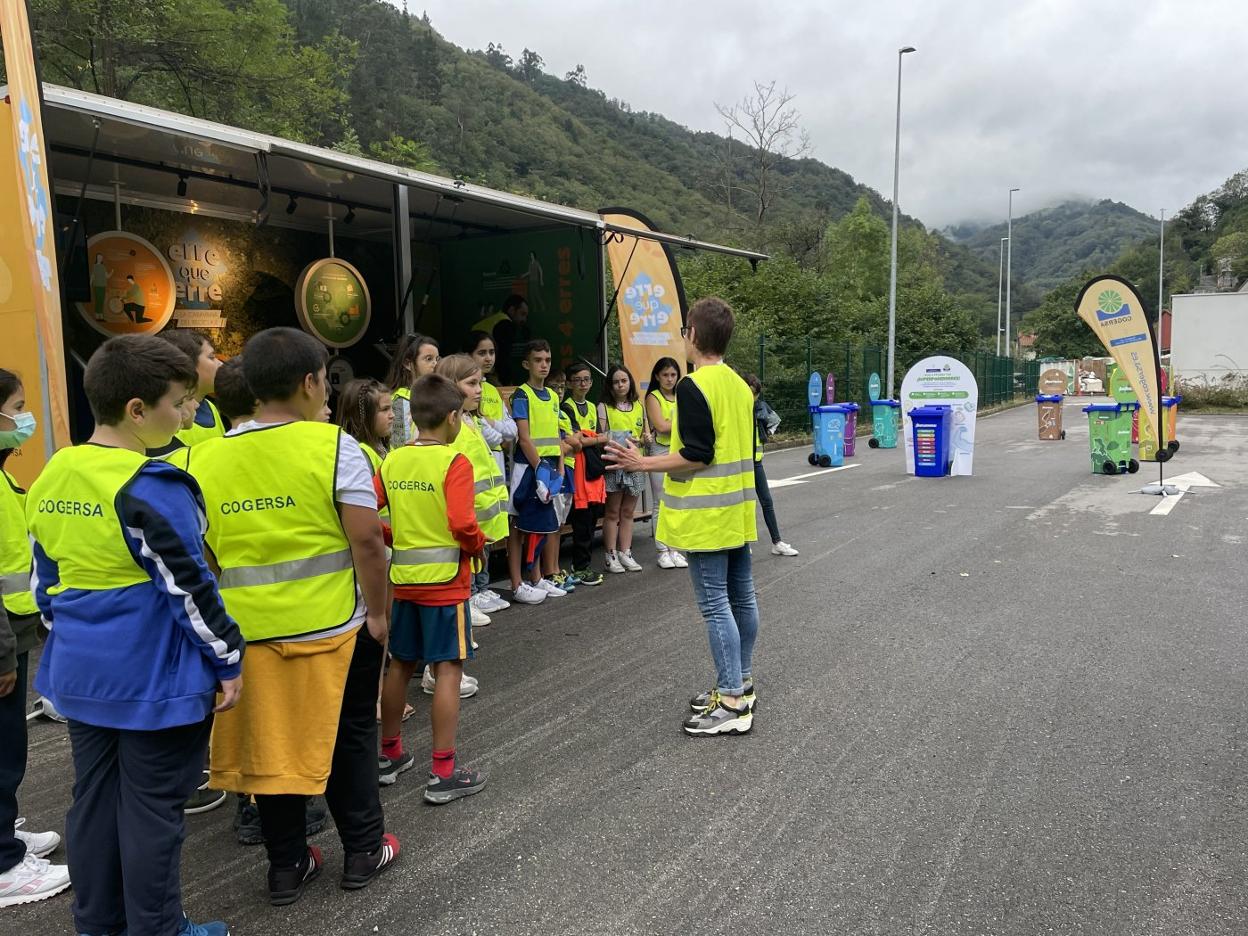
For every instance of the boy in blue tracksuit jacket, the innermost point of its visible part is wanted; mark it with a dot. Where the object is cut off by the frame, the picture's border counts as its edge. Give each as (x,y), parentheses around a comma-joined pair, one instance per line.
(139,643)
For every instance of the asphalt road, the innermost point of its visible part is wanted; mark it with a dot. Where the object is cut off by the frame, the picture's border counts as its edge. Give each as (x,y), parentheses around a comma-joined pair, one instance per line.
(1005,704)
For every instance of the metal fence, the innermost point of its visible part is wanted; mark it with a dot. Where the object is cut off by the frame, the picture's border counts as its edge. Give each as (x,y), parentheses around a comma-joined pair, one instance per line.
(784,367)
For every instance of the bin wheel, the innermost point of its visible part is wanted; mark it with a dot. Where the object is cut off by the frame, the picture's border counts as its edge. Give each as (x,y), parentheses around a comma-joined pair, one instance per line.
(873,443)
(1173,445)
(1133,466)
(812,458)
(1109,467)
(1063,433)
(1164,455)
(825,461)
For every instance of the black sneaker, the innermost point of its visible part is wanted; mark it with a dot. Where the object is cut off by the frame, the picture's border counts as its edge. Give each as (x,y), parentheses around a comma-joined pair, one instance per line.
(247,822)
(247,826)
(388,770)
(360,868)
(286,885)
(702,701)
(720,719)
(588,576)
(461,782)
(203,799)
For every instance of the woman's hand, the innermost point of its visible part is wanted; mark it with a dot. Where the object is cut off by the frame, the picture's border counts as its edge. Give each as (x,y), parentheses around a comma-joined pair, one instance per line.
(624,456)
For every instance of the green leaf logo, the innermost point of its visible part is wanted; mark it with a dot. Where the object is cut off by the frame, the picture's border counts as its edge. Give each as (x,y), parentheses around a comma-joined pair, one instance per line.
(1110,300)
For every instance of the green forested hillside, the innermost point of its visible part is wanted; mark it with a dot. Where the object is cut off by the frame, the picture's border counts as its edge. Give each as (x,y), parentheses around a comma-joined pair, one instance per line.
(1051,245)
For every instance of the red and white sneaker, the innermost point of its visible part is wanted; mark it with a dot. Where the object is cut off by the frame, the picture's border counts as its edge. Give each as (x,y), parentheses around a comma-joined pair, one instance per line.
(30,880)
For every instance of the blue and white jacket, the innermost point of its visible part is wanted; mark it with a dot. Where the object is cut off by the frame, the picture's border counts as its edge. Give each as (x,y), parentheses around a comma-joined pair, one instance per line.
(146,656)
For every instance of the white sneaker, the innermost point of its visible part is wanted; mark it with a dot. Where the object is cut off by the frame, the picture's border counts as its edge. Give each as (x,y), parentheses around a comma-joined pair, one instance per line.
(783,549)
(679,559)
(614,564)
(468,686)
(529,594)
(492,601)
(628,562)
(551,588)
(499,599)
(479,618)
(39,844)
(32,879)
(666,560)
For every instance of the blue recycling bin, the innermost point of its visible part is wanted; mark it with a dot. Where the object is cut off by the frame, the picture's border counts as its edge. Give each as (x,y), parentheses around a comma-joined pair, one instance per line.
(933,429)
(829,435)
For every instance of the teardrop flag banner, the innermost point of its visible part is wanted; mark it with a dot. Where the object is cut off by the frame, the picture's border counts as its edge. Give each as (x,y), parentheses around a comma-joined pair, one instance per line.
(1114,311)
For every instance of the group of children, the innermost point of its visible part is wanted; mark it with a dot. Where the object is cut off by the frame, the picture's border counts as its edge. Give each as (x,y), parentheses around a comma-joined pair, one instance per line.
(319,564)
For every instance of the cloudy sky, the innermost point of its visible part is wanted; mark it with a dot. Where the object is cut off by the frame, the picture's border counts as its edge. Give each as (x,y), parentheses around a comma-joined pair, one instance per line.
(1144,102)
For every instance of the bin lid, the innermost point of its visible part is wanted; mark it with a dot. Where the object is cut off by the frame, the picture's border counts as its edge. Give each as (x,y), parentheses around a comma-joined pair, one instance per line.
(829,408)
(850,407)
(893,403)
(1048,398)
(1104,408)
(931,412)
(1171,400)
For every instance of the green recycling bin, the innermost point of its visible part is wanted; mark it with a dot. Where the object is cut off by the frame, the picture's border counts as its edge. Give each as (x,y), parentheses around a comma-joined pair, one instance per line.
(1109,437)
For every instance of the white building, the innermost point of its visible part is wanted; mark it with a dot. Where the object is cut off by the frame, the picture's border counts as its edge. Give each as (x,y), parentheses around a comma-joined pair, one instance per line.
(1209,336)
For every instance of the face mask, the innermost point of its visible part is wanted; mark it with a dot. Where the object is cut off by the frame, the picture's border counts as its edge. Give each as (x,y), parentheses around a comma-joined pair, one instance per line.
(25,428)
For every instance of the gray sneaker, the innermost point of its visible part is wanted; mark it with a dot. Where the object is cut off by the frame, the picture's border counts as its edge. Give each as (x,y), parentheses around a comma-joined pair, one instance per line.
(720,719)
(388,770)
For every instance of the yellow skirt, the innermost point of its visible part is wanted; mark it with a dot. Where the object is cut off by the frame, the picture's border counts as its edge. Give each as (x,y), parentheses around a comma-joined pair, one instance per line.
(280,737)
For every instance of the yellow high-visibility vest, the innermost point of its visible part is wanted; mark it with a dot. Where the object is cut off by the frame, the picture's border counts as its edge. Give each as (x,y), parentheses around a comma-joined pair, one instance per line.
(71,511)
(273,524)
(631,422)
(16,558)
(543,421)
(713,509)
(489,490)
(491,407)
(414,479)
(666,407)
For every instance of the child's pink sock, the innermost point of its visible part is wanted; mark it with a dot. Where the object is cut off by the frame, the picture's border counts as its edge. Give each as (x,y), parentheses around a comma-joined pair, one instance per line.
(443,763)
(392,748)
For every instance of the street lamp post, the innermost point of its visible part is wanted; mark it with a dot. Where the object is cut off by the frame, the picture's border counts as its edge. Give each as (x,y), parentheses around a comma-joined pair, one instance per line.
(1161,276)
(1000,277)
(892,269)
(1009,261)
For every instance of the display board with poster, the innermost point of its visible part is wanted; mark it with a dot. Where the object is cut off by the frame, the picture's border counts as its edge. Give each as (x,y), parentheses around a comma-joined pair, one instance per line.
(942,381)
(1053,380)
(132,286)
(332,300)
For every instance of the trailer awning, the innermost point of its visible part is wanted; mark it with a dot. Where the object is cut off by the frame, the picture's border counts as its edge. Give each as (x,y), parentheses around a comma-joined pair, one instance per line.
(167,160)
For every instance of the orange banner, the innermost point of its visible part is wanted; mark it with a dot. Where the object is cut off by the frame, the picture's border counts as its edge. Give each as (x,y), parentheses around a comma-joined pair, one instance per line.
(30,299)
(650,300)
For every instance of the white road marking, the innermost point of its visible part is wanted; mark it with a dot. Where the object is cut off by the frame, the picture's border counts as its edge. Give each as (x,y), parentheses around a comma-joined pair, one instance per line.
(803,478)
(1184,482)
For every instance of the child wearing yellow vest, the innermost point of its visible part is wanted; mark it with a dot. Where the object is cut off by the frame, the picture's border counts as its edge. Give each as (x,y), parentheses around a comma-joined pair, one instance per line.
(416,356)
(366,413)
(660,410)
(621,417)
(292,521)
(206,422)
(139,639)
(428,486)
(24,874)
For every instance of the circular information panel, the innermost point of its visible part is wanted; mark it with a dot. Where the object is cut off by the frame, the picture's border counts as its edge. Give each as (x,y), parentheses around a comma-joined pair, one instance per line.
(132,288)
(332,300)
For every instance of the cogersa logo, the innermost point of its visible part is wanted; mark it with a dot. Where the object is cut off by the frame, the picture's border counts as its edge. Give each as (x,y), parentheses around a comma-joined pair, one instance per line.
(1111,307)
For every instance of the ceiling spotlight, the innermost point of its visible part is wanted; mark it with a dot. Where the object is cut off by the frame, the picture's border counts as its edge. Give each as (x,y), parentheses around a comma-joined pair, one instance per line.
(350,215)
(181,185)
(292,205)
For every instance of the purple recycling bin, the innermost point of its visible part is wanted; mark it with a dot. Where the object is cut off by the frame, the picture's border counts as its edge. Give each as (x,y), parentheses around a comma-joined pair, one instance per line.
(851,427)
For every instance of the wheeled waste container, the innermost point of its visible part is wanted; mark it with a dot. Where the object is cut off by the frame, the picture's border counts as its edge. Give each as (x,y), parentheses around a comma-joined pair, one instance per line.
(851,427)
(829,433)
(884,424)
(1109,437)
(1049,416)
(932,427)
(1170,413)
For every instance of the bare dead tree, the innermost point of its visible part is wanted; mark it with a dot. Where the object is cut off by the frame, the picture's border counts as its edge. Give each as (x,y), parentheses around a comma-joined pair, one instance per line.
(772,132)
